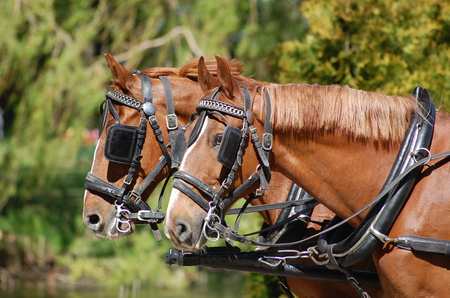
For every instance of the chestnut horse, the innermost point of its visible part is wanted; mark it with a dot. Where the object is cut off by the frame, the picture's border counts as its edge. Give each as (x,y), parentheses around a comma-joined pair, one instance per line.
(100,212)
(339,144)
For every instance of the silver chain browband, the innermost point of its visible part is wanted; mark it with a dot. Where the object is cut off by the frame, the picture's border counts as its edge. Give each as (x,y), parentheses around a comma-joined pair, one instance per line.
(219,106)
(126,100)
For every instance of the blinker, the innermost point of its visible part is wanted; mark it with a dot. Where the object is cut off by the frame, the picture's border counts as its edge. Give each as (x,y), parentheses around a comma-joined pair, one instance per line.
(229,146)
(120,143)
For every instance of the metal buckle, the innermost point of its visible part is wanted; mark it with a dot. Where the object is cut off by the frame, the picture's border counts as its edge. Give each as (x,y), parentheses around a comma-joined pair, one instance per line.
(260,192)
(172,122)
(285,254)
(267,141)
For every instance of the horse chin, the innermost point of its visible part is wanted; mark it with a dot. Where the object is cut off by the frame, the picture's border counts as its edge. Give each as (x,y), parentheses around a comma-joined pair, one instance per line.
(200,245)
(112,233)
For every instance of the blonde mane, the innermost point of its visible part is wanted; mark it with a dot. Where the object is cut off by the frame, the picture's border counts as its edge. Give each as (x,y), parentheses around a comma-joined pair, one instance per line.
(360,115)
(190,70)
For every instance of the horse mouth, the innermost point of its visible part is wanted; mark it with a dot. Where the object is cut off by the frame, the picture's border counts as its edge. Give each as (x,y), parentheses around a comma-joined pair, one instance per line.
(114,230)
(195,241)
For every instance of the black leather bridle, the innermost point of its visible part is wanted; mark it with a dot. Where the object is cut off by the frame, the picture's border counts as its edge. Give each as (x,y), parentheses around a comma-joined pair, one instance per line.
(217,200)
(128,209)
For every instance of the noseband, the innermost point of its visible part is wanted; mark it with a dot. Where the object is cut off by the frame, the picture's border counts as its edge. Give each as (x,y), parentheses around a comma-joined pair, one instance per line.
(124,145)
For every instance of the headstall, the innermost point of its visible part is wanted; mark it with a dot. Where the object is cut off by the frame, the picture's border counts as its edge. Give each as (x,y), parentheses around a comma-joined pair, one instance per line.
(124,145)
(230,154)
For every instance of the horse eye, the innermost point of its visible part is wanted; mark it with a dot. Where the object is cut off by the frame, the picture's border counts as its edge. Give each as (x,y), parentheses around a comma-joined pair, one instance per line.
(218,139)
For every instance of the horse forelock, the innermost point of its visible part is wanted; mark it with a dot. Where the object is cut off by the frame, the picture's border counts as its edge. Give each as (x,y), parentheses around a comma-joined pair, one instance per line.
(360,115)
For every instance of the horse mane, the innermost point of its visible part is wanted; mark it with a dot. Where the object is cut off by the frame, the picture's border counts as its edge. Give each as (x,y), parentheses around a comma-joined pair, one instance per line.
(190,70)
(360,115)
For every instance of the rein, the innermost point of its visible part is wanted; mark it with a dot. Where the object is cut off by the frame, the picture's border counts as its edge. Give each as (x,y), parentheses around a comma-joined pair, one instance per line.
(119,136)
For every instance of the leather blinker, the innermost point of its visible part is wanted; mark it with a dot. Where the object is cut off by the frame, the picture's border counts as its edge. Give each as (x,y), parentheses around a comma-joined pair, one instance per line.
(229,146)
(120,143)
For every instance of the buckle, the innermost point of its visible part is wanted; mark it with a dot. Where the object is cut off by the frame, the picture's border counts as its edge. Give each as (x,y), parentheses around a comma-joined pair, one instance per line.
(267,141)
(172,122)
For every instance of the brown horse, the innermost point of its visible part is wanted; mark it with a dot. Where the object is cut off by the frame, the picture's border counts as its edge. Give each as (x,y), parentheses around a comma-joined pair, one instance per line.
(338,144)
(99,209)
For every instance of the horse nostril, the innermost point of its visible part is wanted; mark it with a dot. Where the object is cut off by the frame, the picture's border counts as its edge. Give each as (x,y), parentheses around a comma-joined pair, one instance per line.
(92,221)
(183,231)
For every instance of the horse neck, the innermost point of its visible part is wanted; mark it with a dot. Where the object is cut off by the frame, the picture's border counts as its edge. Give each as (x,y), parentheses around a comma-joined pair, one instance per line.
(325,143)
(343,175)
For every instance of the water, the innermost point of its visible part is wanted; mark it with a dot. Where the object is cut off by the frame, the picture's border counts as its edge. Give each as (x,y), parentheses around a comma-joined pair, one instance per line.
(42,290)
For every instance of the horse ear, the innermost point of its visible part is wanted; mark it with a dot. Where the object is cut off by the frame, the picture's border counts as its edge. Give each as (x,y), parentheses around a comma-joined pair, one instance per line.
(225,77)
(205,78)
(121,76)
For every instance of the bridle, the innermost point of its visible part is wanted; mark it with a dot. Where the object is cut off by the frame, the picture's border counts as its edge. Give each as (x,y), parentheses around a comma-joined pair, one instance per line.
(230,154)
(124,145)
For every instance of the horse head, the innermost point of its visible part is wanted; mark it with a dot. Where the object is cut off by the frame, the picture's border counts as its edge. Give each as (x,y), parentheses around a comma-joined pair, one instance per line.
(215,158)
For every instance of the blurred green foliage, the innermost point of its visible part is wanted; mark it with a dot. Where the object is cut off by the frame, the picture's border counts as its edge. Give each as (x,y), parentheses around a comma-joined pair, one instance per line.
(386,46)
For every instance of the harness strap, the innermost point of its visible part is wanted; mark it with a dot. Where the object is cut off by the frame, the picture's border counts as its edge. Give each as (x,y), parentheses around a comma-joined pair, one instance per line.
(146,85)
(267,136)
(237,193)
(227,232)
(263,149)
(159,138)
(149,178)
(360,244)
(96,184)
(190,193)
(171,118)
(424,244)
(197,183)
(101,186)
(267,207)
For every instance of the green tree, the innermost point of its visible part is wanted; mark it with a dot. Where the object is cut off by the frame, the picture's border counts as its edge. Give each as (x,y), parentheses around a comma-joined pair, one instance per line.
(391,46)
(53,74)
